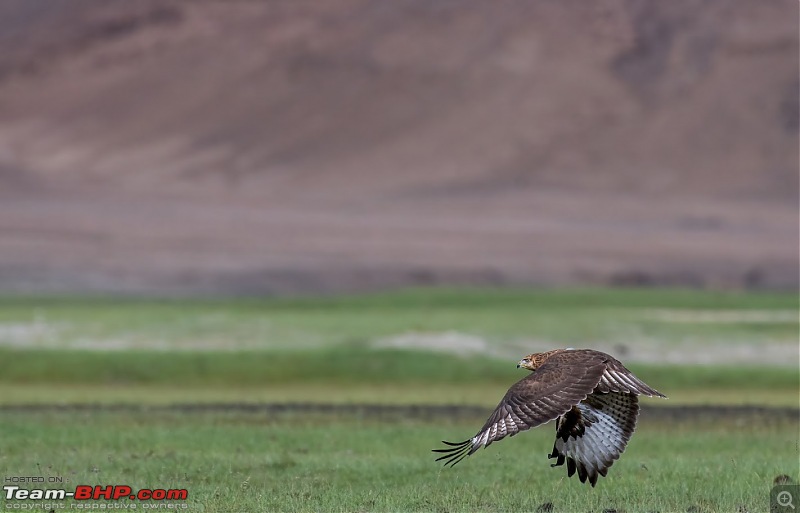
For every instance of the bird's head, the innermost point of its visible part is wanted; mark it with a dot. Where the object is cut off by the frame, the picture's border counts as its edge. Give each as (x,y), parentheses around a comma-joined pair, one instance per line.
(535,360)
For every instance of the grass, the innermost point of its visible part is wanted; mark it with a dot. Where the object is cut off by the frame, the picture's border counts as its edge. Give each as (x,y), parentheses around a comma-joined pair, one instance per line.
(138,350)
(254,462)
(338,365)
(335,375)
(479,394)
(508,320)
(326,350)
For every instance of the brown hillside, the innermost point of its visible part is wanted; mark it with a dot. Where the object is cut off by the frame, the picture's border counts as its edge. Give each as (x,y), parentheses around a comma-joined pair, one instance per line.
(291,146)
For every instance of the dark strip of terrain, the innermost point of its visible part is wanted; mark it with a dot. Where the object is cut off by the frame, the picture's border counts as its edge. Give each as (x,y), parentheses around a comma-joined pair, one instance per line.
(449,411)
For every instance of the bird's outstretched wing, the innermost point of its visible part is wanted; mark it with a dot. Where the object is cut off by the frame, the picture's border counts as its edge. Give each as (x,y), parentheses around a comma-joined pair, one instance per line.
(562,382)
(592,435)
(617,378)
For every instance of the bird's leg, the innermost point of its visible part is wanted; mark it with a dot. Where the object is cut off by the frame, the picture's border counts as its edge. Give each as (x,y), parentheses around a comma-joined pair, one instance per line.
(556,453)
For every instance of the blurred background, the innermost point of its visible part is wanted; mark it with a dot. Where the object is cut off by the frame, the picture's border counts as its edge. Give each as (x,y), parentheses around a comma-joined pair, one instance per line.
(233,234)
(270,148)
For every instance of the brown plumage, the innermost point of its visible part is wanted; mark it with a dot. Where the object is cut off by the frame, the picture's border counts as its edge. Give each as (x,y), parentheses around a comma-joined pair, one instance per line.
(592,397)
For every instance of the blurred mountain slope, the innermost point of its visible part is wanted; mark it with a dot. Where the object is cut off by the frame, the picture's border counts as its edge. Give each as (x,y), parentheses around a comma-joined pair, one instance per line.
(302,146)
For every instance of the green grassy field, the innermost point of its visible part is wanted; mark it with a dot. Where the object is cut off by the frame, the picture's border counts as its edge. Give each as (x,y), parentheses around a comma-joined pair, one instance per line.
(438,347)
(359,348)
(509,320)
(337,375)
(255,462)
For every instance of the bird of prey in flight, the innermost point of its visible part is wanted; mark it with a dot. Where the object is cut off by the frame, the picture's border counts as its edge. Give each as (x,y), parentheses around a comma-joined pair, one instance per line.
(592,397)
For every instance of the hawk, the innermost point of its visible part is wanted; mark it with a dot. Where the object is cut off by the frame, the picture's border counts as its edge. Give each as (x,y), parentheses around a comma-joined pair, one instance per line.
(592,397)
